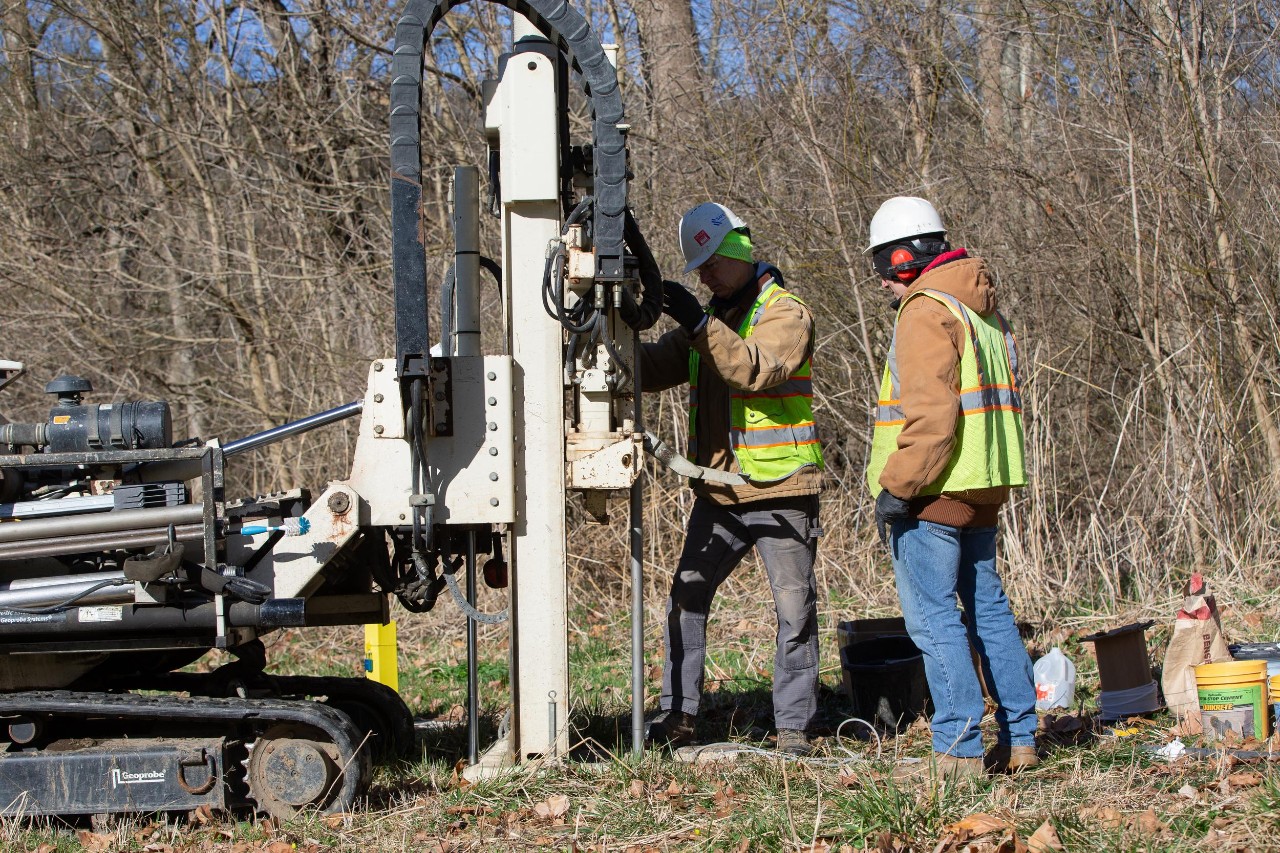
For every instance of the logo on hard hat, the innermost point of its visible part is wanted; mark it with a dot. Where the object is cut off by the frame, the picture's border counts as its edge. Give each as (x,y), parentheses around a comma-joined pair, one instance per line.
(702,238)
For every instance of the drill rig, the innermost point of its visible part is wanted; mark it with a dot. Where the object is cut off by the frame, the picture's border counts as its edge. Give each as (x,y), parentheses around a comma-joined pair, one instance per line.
(122,560)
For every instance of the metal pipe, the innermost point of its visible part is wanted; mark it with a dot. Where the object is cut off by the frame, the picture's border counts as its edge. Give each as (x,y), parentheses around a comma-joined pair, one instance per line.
(45,596)
(466,261)
(473,660)
(102,522)
(100,542)
(57,580)
(637,576)
(271,436)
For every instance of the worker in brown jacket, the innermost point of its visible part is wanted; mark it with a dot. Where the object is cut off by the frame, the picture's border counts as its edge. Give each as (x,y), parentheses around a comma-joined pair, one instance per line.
(745,357)
(947,449)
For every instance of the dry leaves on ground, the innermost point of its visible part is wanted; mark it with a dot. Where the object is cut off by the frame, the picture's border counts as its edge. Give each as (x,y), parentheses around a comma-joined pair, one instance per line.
(93,841)
(1045,840)
(553,808)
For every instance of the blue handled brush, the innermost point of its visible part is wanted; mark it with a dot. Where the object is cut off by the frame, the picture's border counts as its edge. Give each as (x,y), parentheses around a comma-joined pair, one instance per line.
(290,527)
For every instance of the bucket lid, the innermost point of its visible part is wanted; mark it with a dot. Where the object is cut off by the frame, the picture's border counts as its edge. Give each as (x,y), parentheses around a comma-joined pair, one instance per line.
(1233,668)
(1255,651)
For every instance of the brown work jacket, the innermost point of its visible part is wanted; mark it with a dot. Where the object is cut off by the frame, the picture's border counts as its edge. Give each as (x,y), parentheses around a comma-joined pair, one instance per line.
(930,340)
(779,344)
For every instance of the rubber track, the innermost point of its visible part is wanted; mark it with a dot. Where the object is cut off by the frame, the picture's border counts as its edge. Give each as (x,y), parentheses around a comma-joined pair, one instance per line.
(260,713)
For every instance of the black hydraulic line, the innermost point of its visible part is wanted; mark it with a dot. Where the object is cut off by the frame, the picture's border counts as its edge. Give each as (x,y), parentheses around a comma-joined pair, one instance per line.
(271,436)
(571,34)
(150,620)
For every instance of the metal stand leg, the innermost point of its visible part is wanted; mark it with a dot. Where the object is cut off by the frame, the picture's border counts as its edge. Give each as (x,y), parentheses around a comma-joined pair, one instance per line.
(473,662)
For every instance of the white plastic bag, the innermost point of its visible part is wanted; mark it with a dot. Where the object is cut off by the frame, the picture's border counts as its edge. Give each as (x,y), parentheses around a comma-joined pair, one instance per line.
(1055,677)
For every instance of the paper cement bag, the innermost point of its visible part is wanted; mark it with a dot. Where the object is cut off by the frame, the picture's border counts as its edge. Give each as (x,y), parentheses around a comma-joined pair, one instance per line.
(1197,638)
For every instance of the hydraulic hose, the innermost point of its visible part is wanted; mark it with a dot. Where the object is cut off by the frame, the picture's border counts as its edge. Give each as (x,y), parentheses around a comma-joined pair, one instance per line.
(644,315)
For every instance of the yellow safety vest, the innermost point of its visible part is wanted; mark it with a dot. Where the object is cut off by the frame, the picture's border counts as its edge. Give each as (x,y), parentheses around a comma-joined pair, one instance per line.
(988,450)
(771,431)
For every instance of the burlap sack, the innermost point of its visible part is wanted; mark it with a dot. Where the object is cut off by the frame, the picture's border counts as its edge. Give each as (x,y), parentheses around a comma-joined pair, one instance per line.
(1197,638)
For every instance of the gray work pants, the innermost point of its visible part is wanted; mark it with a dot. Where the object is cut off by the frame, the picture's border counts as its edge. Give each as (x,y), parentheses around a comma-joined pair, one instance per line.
(785,531)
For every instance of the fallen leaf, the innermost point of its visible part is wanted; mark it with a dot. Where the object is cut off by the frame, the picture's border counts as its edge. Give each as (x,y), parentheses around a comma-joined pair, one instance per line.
(553,807)
(142,835)
(475,809)
(1245,779)
(47,848)
(1253,619)
(456,779)
(1011,844)
(849,780)
(334,821)
(674,788)
(279,847)
(1045,840)
(202,814)
(94,841)
(975,825)
(637,789)
(1189,792)
(1105,815)
(1150,824)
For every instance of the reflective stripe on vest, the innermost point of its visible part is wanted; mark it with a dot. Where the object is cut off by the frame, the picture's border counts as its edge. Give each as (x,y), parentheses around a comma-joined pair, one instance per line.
(771,432)
(988,448)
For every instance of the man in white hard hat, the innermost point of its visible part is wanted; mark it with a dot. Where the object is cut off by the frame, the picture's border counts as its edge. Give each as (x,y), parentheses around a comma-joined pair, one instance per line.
(947,449)
(745,357)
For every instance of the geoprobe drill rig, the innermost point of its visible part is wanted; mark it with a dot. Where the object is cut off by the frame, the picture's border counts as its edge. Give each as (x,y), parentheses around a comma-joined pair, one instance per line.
(122,560)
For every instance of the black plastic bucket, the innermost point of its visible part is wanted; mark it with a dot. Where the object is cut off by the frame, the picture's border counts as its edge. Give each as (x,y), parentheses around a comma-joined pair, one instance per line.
(885,680)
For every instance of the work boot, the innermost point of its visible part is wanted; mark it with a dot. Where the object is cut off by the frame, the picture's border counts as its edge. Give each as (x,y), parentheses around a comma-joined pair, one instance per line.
(794,742)
(940,766)
(670,728)
(1010,759)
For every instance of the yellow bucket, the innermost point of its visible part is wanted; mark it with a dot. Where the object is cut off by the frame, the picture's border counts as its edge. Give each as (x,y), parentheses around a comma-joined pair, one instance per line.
(1275,697)
(1233,697)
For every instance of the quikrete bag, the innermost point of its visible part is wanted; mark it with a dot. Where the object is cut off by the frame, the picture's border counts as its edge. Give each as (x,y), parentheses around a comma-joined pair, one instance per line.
(1197,638)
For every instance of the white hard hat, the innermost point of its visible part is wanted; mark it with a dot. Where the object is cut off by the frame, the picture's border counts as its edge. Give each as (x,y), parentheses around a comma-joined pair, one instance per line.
(701,231)
(901,218)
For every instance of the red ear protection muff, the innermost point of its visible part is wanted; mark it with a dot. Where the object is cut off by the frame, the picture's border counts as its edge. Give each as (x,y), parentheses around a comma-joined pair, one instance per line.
(900,264)
(904,261)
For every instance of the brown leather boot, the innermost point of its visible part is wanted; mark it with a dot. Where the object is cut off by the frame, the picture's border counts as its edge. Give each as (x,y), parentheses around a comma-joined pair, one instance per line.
(938,767)
(671,728)
(1010,759)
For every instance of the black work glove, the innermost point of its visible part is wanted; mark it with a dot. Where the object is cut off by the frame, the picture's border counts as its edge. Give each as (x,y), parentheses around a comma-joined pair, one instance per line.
(646,264)
(681,305)
(890,508)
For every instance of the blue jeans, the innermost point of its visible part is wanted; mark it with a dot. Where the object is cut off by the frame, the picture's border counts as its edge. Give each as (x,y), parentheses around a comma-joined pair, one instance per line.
(932,564)
(785,531)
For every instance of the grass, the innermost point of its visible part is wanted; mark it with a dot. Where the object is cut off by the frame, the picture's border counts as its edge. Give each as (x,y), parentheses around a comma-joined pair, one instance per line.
(1107,793)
